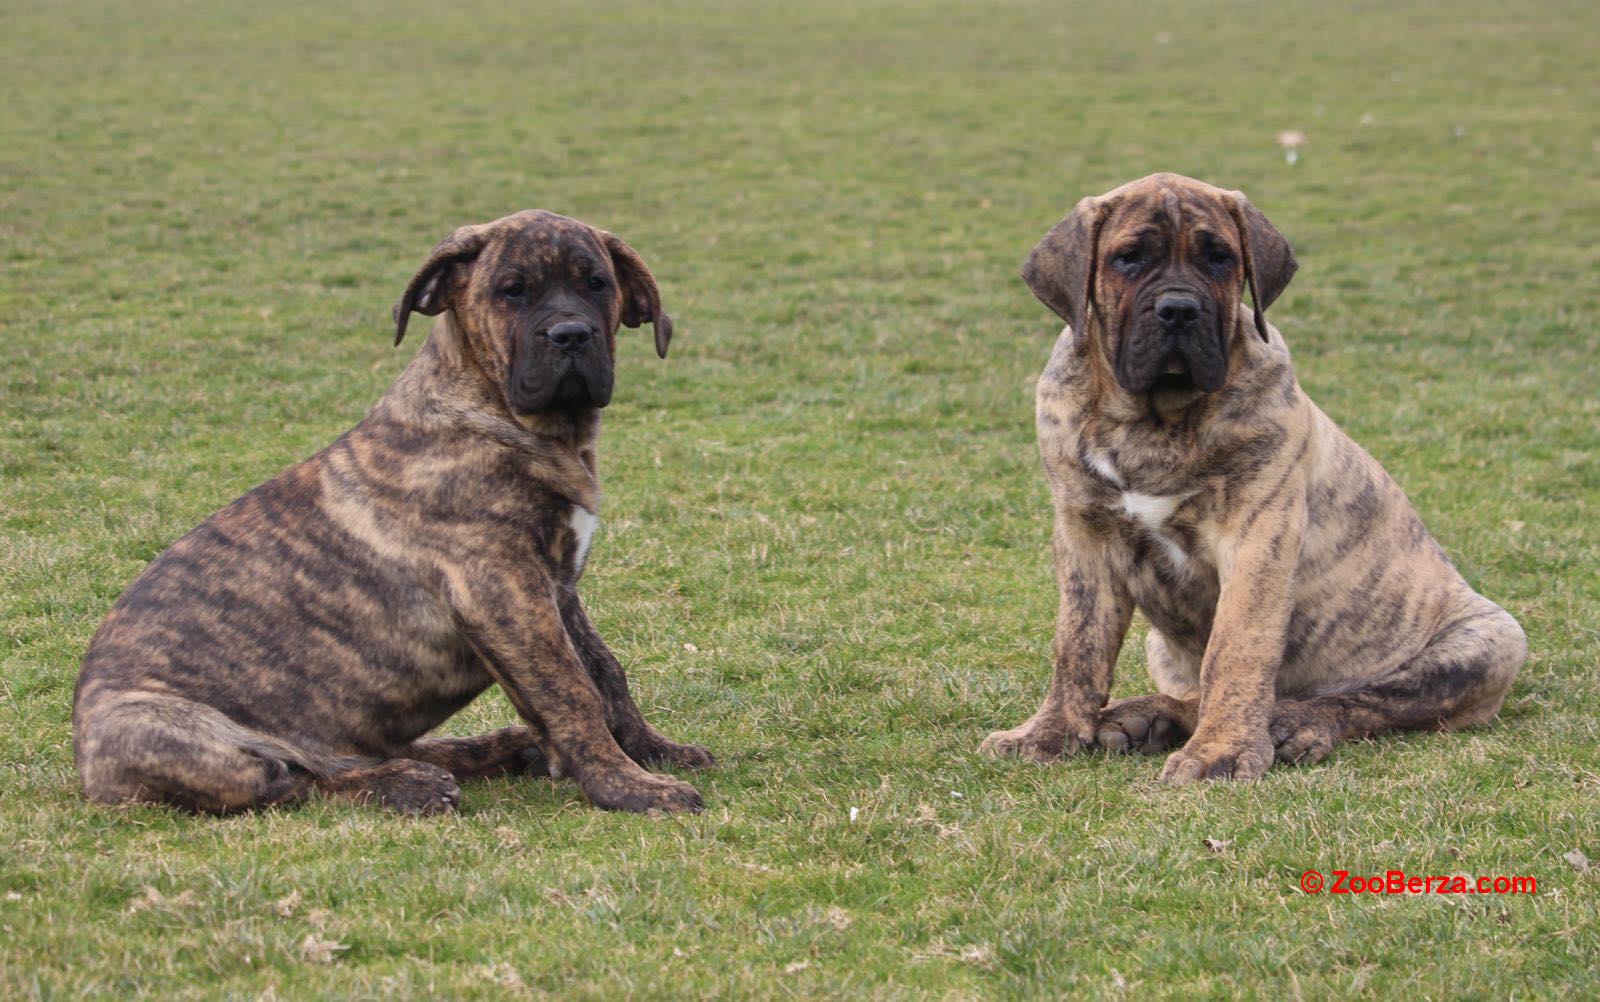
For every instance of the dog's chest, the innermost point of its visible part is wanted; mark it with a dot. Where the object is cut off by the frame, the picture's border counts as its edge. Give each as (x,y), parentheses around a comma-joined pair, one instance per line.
(1161,544)
(1156,516)
(577,534)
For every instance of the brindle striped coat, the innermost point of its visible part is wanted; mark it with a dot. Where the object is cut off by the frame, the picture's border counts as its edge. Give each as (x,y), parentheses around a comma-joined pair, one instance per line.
(309,635)
(1294,597)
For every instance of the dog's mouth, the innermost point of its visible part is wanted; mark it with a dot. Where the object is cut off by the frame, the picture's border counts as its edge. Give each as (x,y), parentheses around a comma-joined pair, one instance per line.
(572,391)
(569,386)
(1175,375)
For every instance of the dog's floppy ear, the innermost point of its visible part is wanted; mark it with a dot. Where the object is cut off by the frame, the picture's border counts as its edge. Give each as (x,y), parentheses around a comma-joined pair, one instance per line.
(429,290)
(641,300)
(1268,259)
(1060,270)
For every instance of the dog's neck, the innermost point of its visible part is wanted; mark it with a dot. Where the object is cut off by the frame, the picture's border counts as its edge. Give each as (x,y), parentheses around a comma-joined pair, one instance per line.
(444,390)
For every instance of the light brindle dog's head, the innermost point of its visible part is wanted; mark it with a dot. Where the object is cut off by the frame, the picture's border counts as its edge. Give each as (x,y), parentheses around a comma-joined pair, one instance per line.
(1153,273)
(536,299)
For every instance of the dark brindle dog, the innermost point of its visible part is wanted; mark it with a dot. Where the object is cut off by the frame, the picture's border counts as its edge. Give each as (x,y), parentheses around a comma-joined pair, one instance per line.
(308,635)
(1295,598)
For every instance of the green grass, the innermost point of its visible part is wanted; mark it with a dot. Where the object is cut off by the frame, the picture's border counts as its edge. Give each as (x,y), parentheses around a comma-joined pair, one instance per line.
(825,530)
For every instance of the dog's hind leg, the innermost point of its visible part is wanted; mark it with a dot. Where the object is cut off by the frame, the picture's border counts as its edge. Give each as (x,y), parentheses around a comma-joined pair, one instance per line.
(1162,720)
(510,750)
(158,748)
(1148,724)
(1459,680)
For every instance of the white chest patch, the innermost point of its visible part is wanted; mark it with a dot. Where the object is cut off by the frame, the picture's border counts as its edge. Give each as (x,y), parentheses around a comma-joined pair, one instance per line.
(582,522)
(1151,510)
(1102,465)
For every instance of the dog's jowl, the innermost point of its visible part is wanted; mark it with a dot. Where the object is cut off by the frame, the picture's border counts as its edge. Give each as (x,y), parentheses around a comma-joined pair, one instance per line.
(1294,597)
(307,636)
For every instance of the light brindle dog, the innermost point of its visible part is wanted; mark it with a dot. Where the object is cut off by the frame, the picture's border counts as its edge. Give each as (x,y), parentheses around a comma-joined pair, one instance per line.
(309,634)
(1295,599)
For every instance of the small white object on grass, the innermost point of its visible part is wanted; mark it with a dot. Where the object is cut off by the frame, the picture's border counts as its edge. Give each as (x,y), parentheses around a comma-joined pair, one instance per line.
(1291,140)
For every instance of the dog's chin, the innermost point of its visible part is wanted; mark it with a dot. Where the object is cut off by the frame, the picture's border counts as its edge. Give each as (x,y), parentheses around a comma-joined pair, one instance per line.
(1176,386)
(1174,382)
(572,391)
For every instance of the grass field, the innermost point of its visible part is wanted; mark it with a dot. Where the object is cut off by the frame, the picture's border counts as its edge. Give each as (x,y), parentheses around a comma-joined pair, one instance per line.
(824,539)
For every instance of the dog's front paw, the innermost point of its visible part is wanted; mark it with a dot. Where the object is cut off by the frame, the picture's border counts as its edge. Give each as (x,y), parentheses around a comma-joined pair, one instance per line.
(644,793)
(1301,732)
(1041,740)
(1147,724)
(653,747)
(1242,759)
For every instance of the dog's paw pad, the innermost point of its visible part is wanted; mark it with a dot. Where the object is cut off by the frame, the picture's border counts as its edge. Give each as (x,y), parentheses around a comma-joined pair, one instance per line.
(1146,724)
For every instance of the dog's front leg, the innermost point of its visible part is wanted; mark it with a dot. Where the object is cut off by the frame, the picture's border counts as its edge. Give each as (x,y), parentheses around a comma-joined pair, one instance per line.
(1256,562)
(1091,621)
(515,624)
(643,743)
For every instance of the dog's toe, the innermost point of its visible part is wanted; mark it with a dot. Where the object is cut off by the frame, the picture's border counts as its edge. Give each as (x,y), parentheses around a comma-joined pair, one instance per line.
(1300,733)
(425,795)
(1304,747)
(1042,741)
(646,793)
(1146,724)
(405,786)
(1112,739)
(674,754)
(1023,744)
(1241,761)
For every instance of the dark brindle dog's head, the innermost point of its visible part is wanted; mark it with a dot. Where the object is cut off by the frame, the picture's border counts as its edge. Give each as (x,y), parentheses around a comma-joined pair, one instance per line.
(537,298)
(1157,268)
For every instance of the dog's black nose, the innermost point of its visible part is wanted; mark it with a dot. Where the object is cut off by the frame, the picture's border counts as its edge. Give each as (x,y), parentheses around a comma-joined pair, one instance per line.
(570,335)
(1174,309)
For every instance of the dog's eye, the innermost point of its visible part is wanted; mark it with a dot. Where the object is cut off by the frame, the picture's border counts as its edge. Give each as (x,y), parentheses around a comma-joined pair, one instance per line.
(1129,260)
(1219,257)
(514,289)
(597,283)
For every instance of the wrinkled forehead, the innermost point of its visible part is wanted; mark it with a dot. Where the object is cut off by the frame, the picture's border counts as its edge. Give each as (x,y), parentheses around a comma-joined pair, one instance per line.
(545,243)
(1176,208)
